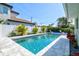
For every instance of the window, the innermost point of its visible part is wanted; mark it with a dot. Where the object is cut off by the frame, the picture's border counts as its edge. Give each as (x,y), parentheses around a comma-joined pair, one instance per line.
(0,9)
(3,10)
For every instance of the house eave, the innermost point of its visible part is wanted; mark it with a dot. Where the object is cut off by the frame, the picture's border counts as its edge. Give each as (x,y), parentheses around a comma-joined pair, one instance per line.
(21,22)
(7,5)
(15,12)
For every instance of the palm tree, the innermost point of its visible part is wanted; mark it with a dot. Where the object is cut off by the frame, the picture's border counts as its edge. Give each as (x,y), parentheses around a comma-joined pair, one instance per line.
(62,21)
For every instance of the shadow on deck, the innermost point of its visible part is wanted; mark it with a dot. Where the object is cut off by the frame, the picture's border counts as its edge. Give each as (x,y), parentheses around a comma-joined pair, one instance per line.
(61,48)
(74,51)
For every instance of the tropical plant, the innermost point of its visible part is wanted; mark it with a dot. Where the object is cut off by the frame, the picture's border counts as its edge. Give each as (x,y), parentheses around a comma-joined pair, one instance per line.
(1,21)
(58,29)
(62,22)
(67,30)
(49,27)
(35,30)
(13,33)
(43,28)
(21,29)
(55,29)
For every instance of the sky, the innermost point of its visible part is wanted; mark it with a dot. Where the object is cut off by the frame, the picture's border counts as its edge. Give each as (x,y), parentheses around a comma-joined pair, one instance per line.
(41,13)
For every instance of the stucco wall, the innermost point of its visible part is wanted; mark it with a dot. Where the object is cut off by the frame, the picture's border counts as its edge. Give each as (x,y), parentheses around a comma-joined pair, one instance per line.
(72,11)
(77,30)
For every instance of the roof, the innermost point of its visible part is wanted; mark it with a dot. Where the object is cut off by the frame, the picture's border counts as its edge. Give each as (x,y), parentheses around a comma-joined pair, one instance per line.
(6,4)
(21,20)
(14,12)
(16,19)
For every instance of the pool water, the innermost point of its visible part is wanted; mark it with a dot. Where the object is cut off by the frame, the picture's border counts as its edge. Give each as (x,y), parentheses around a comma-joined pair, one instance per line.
(36,43)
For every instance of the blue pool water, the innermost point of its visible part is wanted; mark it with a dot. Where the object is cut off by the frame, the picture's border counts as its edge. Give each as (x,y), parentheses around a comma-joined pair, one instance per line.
(36,43)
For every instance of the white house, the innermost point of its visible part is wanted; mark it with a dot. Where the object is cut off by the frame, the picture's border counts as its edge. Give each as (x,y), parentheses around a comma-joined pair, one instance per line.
(10,18)
(10,15)
(72,13)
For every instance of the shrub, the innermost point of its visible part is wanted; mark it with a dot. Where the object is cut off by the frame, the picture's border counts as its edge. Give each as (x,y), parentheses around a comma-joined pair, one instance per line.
(55,29)
(67,30)
(43,28)
(35,30)
(49,28)
(21,29)
(72,27)
(65,26)
(13,33)
(1,21)
(29,33)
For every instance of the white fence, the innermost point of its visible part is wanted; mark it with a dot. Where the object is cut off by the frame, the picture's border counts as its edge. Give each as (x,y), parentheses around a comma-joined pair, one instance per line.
(6,29)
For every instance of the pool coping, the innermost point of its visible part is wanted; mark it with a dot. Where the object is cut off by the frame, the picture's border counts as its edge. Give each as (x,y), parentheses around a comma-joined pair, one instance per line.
(17,37)
(44,50)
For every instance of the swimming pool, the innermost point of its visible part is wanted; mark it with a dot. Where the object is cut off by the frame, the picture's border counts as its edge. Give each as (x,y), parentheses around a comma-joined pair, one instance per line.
(36,43)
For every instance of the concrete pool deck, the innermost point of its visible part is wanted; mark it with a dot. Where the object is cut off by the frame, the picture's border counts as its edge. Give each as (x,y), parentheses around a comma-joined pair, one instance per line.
(47,48)
(60,48)
(10,48)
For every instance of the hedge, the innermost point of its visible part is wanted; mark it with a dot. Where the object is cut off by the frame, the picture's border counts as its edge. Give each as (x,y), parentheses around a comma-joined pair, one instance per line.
(57,29)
